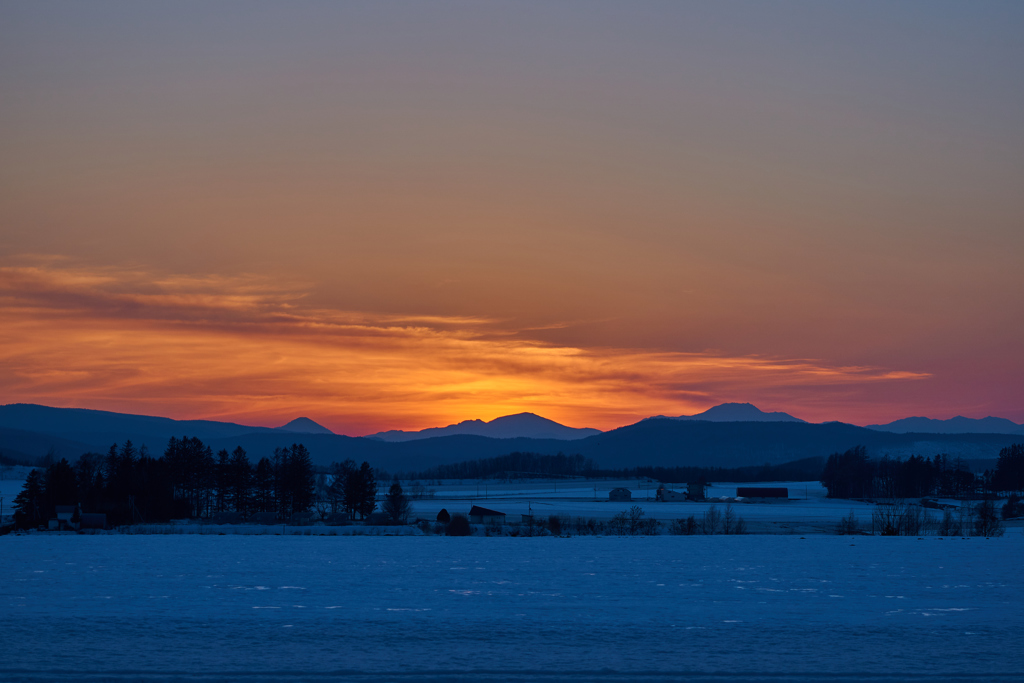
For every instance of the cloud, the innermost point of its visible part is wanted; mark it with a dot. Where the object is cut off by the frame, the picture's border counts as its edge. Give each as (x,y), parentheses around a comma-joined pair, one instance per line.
(250,349)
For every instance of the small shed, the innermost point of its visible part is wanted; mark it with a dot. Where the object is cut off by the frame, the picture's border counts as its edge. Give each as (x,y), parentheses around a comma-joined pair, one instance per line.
(621,495)
(479,515)
(668,495)
(62,518)
(696,491)
(766,492)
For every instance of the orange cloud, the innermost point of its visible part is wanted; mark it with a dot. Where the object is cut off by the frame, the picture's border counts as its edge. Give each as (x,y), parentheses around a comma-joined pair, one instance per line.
(246,349)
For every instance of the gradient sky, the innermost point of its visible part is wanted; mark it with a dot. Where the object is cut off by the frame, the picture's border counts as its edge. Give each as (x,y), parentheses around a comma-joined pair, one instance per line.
(389,215)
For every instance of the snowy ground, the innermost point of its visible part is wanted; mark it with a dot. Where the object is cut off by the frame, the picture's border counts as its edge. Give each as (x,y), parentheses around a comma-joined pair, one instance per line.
(808,510)
(774,608)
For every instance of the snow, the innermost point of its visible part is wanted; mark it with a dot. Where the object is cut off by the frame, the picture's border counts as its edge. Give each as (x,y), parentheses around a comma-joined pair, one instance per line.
(808,510)
(298,608)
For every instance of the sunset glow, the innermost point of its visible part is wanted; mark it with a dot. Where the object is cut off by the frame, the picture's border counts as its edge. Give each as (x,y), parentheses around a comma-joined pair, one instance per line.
(399,219)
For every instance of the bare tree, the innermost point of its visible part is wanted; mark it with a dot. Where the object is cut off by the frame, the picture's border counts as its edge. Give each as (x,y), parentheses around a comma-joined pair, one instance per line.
(728,519)
(636,513)
(848,526)
(988,522)
(711,523)
(949,524)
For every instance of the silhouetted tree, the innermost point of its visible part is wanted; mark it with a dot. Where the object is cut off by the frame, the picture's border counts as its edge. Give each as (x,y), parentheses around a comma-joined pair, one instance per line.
(458,526)
(848,475)
(28,504)
(240,481)
(59,487)
(1009,474)
(396,504)
(222,477)
(301,479)
(263,486)
(367,490)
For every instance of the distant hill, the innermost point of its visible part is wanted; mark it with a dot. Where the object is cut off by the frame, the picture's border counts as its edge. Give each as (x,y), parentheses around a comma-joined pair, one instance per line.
(303,425)
(955,425)
(31,431)
(100,428)
(522,425)
(736,412)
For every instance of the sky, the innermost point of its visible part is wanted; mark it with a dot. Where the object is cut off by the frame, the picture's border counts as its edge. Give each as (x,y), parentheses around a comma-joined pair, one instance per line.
(403,215)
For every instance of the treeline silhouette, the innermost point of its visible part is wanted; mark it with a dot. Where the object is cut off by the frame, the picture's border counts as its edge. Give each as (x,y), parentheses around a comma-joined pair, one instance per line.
(516,466)
(510,467)
(854,475)
(805,469)
(190,481)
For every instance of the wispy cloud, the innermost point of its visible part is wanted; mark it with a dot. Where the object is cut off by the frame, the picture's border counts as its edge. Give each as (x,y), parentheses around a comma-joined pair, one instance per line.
(247,348)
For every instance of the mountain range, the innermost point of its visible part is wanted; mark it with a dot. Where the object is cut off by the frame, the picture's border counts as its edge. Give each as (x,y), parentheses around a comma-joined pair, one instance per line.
(707,439)
(523,425)
(736,412)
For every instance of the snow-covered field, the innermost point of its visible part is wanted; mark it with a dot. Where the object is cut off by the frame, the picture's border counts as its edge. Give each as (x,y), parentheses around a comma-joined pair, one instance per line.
(808,510)
(297,608)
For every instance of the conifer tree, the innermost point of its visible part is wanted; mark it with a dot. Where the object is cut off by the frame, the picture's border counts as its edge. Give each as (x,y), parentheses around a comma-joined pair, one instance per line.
(28,503)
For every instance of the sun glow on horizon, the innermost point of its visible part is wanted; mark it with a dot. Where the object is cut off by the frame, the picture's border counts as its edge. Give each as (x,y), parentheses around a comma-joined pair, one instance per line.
(245,350)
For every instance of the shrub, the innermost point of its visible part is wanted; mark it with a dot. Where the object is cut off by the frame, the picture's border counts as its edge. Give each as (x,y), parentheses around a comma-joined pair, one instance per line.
(650,527)
(458,526)
(987,522)
(848,526)
(1014,507)
(711,521)
(555,525)
(619,524)
(684,527)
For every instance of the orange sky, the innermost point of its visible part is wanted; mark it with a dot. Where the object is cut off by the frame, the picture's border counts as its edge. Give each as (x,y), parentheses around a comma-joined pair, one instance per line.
(384,217)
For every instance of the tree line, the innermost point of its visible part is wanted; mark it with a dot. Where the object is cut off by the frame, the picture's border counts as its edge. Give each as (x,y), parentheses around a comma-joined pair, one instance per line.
(854,475)
(190,481)
(513,466)
(518,465)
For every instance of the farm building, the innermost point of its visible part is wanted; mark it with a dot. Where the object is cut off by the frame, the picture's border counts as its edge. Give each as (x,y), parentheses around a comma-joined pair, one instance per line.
(696,492)
(669,496)
(766,492)
(62,520)
(620,494)
(479,515)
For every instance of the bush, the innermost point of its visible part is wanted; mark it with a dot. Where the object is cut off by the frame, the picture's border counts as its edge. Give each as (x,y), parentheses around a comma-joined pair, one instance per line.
(848,526)
(1014,507)
(711,522)
(650,527)
(555,525)
(619,524)
(458,526)
(684,527)
(987,522)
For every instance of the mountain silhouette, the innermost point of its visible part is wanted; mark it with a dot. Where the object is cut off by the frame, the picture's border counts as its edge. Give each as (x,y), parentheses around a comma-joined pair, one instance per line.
(522,425)
(955,425)
(30,431)
(303,425)
(737,412)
